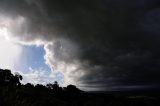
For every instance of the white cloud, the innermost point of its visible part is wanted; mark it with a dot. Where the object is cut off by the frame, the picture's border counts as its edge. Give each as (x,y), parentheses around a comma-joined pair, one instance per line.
(39,76)
(62,61)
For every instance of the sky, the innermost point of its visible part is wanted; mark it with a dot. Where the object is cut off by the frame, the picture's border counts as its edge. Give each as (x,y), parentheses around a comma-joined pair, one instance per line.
(93,44)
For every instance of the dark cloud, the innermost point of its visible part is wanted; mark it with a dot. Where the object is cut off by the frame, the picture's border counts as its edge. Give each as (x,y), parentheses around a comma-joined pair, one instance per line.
(113,42)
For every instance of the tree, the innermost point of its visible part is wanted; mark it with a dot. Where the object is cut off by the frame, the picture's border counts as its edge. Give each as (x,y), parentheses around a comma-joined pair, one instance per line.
(18,76)
(5,76)
(55,86)
(29,85)
(15,80)
(72,89)
(49,86)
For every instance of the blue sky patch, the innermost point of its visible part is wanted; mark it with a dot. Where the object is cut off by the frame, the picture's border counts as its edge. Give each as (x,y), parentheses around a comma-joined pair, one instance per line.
(33,56)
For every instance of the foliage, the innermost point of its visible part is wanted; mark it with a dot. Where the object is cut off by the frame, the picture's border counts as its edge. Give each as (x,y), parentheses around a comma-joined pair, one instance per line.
(13,93)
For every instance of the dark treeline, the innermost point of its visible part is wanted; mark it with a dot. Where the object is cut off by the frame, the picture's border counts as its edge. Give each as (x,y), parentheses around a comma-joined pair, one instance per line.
(13,93)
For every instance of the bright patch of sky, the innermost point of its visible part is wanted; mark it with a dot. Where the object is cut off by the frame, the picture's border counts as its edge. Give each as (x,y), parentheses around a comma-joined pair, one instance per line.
(26,59)
(33,57)
(33,68)
(9,52)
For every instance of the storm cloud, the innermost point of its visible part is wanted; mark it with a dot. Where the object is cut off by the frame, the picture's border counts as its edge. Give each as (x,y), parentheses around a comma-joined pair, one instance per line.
(94,43)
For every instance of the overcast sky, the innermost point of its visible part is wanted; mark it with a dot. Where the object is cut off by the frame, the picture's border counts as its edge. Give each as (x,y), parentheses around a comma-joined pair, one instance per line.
(94,44)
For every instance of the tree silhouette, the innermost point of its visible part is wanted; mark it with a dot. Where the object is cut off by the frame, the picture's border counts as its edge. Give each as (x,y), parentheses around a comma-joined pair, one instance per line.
(18,76)
(29,85)
(6,76)
(73,89)
(13,93)
(16,79)
(55,87)
(49,86)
